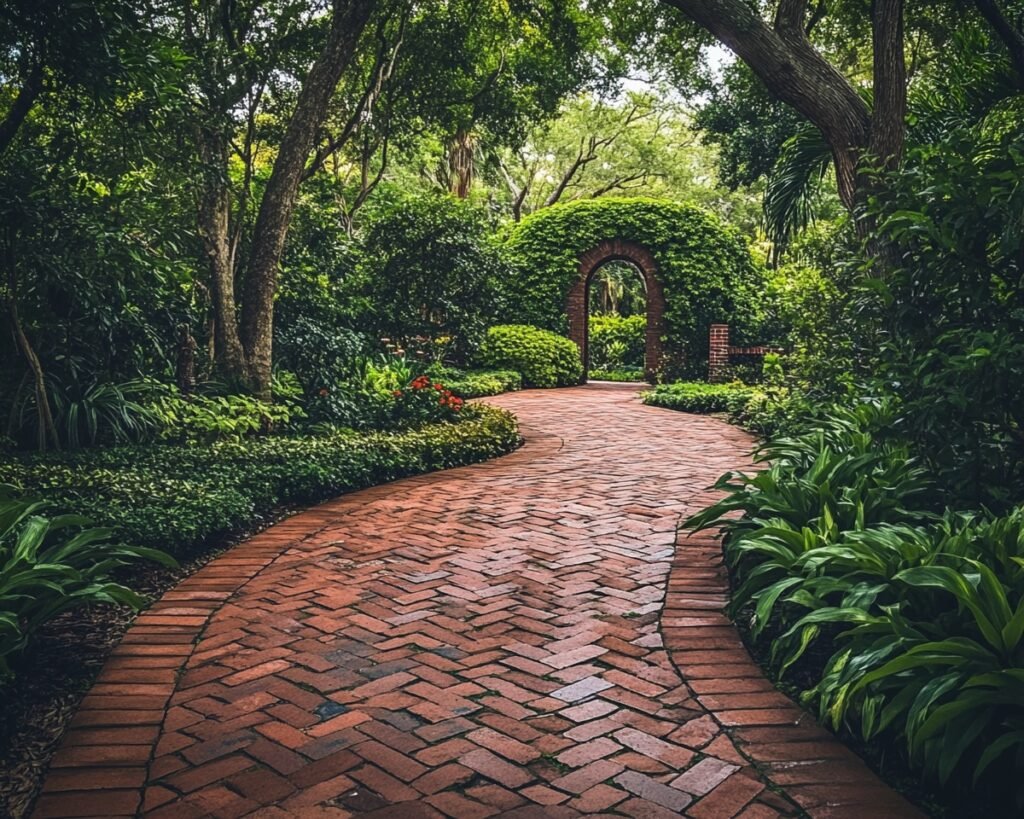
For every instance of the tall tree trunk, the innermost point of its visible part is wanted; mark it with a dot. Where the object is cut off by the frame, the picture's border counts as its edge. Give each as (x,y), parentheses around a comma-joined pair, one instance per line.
(19,110)
(214,228)
(461,163)
(272,222)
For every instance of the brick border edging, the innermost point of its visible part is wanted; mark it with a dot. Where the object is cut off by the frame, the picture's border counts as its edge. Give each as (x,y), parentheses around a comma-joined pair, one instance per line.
(103,760)
(785,744)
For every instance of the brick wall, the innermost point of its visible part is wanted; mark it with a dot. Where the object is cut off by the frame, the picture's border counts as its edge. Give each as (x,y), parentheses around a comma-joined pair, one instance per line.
(718,353)
(576,301)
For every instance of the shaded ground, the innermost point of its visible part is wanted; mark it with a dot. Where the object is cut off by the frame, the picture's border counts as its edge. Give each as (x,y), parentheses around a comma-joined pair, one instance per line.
(495,639)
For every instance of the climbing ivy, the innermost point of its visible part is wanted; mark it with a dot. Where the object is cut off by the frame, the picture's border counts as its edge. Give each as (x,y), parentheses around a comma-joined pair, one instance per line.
(706,270)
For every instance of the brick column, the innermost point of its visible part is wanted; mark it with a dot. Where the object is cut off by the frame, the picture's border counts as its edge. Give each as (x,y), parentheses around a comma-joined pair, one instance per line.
(718,353)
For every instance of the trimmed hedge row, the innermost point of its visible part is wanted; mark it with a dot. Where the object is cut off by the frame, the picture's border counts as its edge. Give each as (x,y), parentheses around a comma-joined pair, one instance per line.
(482,383)
(177,497)
(696,396)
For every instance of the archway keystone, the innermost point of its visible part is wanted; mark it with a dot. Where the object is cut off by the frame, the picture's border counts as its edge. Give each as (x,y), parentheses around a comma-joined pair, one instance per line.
(619,250)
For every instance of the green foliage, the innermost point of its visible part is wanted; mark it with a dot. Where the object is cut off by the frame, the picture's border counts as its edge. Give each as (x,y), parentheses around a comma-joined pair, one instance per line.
(838,550)
(620,374)
(616,341)
(100,413)
(747,123)
(51,565)
(178,497)
(951,314)
(700,397)
(430,271)
(207,418)
(706,270)
(543,359)
(478,383)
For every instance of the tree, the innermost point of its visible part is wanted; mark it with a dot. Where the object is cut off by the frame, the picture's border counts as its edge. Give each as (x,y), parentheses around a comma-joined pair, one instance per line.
(244,53)
(781,54)
(639,142)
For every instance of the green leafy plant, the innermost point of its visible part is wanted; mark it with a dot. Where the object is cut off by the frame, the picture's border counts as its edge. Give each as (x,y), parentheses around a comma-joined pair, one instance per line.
(544,359)
(51,565)
(424,401)
(477,383)
(699,397)
(614,342)
(178,497)
(101,412)
(208,418)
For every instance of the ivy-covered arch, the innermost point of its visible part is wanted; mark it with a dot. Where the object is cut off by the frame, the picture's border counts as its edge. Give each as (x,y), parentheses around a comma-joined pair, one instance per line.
(701,271)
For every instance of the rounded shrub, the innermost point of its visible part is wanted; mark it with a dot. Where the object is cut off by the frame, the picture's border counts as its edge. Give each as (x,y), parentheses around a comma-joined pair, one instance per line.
(543,358)
(706,270)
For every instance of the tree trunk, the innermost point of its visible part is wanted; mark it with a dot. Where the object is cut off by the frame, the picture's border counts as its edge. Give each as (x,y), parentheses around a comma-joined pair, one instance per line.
(21,106)
(47,429)
(272,222)
(785,61)
(214,228)
(461,162)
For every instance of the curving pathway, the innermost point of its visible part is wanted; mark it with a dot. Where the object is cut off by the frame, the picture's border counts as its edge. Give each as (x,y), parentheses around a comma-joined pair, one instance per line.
(521,638)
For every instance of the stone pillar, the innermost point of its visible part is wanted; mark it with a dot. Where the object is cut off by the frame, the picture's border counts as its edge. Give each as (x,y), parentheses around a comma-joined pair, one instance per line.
(718,353)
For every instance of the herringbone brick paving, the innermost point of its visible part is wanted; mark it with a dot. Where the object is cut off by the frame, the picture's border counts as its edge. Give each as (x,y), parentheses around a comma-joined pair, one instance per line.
(520,638)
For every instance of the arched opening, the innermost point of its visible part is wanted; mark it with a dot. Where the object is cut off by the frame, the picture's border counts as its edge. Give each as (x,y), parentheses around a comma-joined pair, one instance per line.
(637,259)
(616,322)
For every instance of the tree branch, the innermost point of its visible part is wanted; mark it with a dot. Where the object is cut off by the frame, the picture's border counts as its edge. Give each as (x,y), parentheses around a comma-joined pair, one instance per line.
(1012,37)
(23,103)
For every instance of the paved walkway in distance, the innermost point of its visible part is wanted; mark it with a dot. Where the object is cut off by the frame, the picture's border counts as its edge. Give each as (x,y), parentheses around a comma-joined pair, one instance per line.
(520,638)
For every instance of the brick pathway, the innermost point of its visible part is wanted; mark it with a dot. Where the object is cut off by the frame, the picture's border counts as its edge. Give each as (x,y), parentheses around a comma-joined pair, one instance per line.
(490,640)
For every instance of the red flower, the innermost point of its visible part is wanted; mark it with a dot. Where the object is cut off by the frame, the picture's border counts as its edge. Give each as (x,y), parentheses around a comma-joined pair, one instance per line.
(397,393)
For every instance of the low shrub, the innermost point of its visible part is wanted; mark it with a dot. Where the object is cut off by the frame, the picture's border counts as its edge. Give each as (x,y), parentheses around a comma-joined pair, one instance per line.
(699,397)
(206,418)
(623,374)
(424,401)
(544,359)
(178,496)
(480,383)
(51,565)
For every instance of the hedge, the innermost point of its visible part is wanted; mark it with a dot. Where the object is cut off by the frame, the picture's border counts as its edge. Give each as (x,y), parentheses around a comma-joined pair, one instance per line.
(544,359)
(699,397)
(482,383)
(705,268)
(175,497)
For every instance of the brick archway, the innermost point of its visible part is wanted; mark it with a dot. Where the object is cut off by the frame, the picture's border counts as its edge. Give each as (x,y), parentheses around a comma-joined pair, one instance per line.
(576,307)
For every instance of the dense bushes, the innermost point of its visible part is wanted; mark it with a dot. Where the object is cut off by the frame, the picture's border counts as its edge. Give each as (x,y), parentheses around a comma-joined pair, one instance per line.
(544,359)
(477,383)
(906,623)
(705,268)
(429,275)
(616,342)
(176,497)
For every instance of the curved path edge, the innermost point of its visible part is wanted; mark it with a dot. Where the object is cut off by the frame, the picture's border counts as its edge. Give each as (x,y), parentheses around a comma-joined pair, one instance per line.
(528,636)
